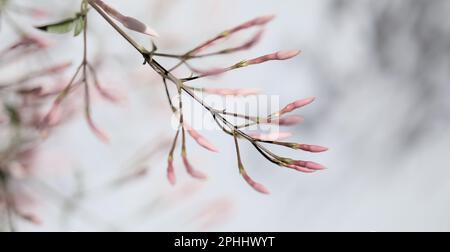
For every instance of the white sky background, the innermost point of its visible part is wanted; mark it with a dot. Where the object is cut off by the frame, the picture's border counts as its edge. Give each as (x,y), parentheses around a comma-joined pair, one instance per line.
(387,126)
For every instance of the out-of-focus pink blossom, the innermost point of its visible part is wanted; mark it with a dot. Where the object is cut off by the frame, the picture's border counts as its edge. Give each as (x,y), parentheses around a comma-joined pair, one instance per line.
(22,203)
(103,136)
(39,13)
(216,212)
(57,68)
(53,116)
(129,22)
(34,91)
(28,40)
(30,217)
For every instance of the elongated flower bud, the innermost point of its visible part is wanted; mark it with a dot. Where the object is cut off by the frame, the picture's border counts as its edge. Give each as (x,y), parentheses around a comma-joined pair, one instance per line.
(202,141)
(129,22)
(296,105)
(312,148)
(257,186)
(57,68)
(289,120)
(39,13)
(263,20)
(53,116)
(101,135)
(210,72)
(191,171)
(110,95)
(259,21)
(281,55)
(97,131)
(170,171)
(31,41)
(29,217)
(301,168)
(284,55)
(309,165)
(249,44)
(274,136)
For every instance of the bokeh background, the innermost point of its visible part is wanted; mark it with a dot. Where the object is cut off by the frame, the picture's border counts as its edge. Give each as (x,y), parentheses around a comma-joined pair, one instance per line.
(379,70)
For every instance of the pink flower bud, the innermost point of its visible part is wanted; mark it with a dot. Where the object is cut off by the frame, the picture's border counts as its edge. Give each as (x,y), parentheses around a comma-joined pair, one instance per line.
(284,55)
(312,148)
(260,21)
(27,41)
(98,132)
(258,187)
(39,13)
(254,22)
(29,217)
(53,116)
(250,43)
(309,165)
(289,120)
(200,139)
(274,136)
(129,22)
(109,94)
(136,25)
(263,19)
(171,172)
(57,68)
(260,60)
(281,55)
(191,171)
(301,169)
(210,72)
(296,105)
(35,91)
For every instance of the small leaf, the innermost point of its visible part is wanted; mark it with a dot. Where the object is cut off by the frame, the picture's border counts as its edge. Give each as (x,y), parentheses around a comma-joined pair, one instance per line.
(61,27)
(79,26)
(13,114)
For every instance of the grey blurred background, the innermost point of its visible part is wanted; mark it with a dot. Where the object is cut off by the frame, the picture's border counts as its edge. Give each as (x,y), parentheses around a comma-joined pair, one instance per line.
(379,70)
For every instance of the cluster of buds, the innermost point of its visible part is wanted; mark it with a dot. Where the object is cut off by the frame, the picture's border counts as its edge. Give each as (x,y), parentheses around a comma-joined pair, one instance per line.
(220,116)
(85,76)
(112,16)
